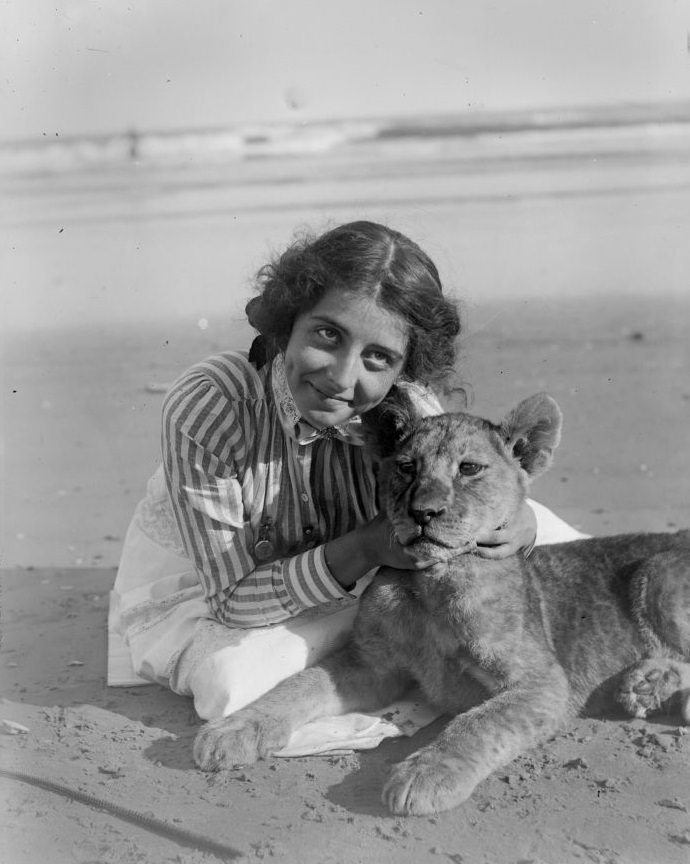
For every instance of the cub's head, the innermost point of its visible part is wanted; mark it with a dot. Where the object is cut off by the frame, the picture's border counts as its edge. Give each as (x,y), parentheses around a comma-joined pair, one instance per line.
(444,480)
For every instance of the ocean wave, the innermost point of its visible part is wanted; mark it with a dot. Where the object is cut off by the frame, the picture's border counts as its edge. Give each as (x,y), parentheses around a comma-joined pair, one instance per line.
(471,136)
(181,147)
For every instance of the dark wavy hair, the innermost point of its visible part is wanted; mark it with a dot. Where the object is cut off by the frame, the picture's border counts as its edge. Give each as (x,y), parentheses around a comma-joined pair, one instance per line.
(360,257)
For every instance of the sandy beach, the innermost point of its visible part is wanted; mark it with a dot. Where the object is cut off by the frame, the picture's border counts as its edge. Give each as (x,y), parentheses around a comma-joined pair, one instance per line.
(573,275)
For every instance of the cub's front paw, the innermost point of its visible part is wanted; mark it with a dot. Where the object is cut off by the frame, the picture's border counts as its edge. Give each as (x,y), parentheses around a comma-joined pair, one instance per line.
(653,685)
(428,782)
(239,739)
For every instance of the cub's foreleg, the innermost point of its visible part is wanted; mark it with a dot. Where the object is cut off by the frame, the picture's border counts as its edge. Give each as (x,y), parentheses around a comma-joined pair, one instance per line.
(339,684)
(445,773)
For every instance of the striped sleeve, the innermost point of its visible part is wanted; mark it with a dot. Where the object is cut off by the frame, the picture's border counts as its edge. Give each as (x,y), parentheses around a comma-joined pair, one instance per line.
(205,434)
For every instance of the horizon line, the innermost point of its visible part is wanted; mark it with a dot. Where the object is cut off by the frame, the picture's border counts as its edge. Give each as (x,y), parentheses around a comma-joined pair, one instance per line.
(396,124)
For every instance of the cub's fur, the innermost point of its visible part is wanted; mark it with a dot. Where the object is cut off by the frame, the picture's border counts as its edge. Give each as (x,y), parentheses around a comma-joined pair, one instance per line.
(509,648)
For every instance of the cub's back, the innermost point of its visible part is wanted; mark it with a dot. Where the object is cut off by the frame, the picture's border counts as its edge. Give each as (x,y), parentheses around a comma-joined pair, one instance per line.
(580,593)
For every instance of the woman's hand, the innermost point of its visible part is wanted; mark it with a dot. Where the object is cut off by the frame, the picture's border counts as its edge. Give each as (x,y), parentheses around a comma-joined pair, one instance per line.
(518,535)
(371,545)
(385,551)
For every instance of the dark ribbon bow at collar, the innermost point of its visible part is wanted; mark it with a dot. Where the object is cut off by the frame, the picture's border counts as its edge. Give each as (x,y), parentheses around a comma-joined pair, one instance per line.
(349,433)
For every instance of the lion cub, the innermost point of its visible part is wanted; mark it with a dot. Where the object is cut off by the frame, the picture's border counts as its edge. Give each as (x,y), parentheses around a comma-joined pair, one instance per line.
(509,648)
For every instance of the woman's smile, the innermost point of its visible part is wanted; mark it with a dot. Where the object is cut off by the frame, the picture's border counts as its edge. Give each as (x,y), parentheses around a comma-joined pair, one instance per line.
(329,397)
(343,356)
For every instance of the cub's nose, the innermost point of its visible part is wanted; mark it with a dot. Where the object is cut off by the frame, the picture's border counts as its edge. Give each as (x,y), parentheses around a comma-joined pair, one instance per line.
(423,517)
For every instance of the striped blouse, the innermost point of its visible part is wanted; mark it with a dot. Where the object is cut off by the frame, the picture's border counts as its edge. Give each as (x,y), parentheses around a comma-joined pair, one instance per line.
(239,471)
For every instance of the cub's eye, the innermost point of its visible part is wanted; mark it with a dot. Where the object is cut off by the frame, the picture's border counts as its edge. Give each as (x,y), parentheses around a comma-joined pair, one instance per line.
(470,469)
(406,466)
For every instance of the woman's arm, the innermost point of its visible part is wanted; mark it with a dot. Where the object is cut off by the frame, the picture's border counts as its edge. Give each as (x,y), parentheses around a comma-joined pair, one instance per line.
(203,438)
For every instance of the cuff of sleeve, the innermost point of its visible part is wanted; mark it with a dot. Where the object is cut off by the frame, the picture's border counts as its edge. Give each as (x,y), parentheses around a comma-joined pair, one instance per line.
(309,580)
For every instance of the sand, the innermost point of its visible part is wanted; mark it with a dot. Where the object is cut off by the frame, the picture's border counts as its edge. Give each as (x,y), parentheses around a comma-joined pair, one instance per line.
(581,294)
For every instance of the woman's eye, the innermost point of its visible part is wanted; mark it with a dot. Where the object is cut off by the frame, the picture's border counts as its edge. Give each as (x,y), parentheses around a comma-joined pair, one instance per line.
(379,358)
(470,469)
(328,333)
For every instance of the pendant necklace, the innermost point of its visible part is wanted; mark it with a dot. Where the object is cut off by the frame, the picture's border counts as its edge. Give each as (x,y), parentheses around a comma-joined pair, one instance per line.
(264,548)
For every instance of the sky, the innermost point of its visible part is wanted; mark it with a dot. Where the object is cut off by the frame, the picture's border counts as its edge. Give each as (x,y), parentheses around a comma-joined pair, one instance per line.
(72,67)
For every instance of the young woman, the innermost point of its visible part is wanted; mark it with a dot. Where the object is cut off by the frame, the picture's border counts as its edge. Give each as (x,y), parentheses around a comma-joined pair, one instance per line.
(264,508)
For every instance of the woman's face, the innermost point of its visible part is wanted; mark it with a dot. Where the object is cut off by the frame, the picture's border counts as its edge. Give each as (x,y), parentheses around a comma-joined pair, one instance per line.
(343,356)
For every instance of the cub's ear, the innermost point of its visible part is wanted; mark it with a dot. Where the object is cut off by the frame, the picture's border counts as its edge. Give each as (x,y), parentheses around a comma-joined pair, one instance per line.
(388,424)
(532,431)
